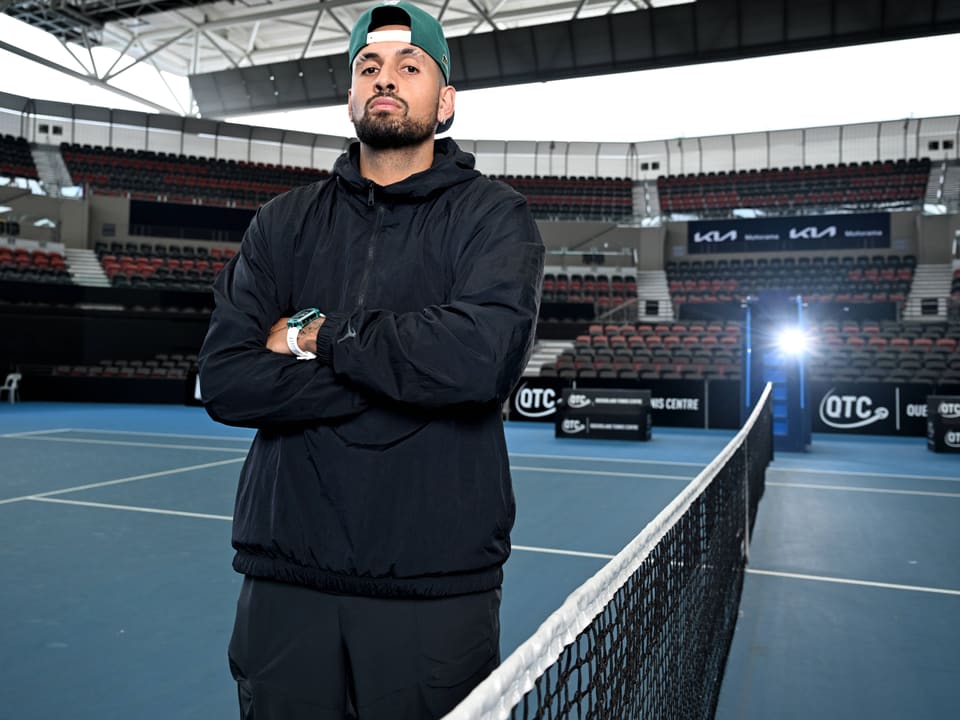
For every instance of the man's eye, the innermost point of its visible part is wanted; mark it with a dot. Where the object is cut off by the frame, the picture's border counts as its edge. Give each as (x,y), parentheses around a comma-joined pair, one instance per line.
(368,70)
(411,69)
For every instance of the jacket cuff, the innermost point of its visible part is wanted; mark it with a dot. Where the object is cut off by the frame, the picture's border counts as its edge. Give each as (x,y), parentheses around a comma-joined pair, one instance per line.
(327,335)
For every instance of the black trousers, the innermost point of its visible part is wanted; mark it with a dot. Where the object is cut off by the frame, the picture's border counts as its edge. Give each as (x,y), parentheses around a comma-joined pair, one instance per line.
(297,653)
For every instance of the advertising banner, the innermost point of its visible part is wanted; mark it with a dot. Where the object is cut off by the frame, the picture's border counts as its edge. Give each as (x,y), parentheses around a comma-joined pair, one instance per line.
(610,414)
(674,403)
(779,234)
(869,408)
(535,399)
(943,423)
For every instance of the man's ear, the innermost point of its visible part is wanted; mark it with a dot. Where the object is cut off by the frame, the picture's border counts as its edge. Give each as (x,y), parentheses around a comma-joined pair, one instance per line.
(445,108)
(350,104)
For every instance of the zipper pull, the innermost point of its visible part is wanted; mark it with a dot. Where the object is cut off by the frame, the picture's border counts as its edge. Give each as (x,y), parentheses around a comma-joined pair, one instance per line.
(370,196)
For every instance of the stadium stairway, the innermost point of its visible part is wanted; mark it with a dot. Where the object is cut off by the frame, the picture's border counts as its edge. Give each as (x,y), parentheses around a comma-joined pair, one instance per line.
(950,195)
(646,201)
(51,168)
(85,268)
(929,294)
(652,287)
(545,352)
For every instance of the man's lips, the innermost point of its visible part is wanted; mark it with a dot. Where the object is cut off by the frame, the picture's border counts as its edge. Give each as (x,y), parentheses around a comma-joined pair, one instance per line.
(383,103)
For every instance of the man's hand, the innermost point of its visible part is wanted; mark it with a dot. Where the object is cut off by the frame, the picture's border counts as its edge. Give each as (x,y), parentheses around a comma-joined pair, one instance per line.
(277,338)
(306,341)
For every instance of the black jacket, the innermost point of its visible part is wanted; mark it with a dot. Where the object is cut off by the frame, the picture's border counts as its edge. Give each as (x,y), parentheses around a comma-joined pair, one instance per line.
(380,468)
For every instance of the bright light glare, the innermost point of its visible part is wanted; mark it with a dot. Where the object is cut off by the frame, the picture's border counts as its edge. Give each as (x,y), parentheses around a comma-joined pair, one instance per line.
(792,341)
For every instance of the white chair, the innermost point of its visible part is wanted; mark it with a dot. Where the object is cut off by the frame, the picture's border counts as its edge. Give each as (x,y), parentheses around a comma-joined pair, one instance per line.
(12,386)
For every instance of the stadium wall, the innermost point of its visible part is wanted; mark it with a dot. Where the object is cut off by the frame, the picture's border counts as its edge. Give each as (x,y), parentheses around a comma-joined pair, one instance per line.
(48,122)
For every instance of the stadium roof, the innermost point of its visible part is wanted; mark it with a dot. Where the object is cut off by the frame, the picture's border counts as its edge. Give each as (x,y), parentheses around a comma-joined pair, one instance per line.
(246,56)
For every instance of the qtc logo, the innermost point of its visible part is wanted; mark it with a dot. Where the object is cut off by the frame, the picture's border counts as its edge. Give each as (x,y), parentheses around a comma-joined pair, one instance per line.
(535,402)
(572,426)
(952,439)
(949,410)
(849,412)
(578,401)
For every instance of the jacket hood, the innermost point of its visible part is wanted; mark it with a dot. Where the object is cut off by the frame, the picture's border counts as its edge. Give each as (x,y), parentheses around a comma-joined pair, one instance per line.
(451,166)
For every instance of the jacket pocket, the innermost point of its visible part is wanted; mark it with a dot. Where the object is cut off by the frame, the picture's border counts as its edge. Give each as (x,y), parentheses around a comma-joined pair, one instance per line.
(379,428)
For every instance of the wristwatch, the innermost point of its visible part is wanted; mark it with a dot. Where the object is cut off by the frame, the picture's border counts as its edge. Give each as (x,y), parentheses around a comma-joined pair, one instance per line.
(295,324)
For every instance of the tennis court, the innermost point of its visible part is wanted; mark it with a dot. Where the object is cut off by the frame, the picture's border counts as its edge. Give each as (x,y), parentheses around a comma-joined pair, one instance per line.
(117,595)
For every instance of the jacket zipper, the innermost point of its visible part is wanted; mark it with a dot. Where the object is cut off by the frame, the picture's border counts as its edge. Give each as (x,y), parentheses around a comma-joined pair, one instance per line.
(371,247)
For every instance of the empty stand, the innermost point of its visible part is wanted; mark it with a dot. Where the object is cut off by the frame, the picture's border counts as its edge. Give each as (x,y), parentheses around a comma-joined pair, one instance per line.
(159,266)
(692,351)
(15,158)
(849,279)
(145,175)
(900,183)
(33,265)
(869,351)
(574,198)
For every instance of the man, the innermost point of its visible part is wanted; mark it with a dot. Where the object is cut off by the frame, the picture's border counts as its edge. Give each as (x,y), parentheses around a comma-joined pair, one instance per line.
(370,328)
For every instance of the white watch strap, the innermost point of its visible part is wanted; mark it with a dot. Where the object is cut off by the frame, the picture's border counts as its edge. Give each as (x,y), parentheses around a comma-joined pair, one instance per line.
(292,334)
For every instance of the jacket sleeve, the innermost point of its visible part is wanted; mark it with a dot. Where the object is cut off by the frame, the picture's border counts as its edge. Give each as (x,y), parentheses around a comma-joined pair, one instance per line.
(472,349)
(241,381)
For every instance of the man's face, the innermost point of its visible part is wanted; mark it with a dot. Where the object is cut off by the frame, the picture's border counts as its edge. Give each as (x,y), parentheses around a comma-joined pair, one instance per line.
(398,95)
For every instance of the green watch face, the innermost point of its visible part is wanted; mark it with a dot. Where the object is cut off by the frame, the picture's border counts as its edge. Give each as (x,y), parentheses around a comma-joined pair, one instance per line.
(304,317)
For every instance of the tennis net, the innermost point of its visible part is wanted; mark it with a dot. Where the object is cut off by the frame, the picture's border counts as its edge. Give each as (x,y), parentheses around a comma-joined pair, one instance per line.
(648,635)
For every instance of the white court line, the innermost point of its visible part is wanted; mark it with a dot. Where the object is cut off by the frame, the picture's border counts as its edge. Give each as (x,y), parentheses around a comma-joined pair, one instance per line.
(159,434)
(523,548)
(862,473)
(168,446)
(638,461)
(848,581)
(605,473)
(207,516)
(120,481)
(555,551)
(27,433)
(845,488)
(131,508)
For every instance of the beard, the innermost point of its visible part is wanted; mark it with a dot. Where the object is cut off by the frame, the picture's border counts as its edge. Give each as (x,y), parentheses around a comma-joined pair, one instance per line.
(383,131)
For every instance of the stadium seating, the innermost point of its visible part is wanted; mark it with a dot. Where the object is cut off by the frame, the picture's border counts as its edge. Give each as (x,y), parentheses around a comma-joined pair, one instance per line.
(146,175)
(15,158)
(162,366)
(849,185)
(158,266)
(694,351)
(870,351)
(819,279)
(23,265)
(574,198)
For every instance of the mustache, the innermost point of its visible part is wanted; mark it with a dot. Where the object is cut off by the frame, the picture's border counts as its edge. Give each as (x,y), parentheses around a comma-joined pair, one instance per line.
(389,96)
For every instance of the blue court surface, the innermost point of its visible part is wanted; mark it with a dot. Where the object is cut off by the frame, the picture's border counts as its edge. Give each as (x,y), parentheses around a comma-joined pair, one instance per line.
(117,597)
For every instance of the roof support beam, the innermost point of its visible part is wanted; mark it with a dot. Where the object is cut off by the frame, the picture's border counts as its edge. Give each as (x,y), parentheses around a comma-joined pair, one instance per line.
(92,79)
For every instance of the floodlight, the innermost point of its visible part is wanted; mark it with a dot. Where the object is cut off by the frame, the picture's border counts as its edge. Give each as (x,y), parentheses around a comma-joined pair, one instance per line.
(792,341)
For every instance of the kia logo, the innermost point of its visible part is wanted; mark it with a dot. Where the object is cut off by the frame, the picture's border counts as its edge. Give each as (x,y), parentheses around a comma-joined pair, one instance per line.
(715,236)
(535,402)
(849,412)
(813,233)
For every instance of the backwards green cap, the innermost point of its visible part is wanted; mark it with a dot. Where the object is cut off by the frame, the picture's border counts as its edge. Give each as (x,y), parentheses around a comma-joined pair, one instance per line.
(425,31)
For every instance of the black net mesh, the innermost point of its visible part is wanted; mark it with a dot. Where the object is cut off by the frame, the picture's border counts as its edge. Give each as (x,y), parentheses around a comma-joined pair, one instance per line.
(658,646)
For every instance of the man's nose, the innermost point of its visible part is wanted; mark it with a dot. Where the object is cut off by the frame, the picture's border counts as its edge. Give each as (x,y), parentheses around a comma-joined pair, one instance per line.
(386,80)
